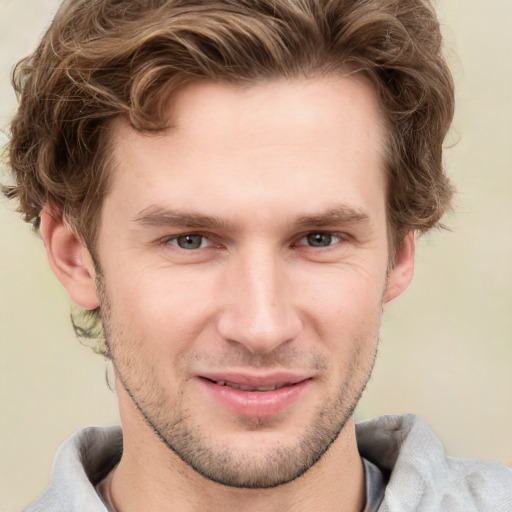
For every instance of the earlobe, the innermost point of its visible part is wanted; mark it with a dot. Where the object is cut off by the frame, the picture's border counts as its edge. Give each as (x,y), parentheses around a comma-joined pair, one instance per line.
(69,259)
(400,276)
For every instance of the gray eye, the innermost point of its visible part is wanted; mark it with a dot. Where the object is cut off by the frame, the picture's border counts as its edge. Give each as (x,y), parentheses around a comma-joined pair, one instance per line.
(189,241)
(319,239)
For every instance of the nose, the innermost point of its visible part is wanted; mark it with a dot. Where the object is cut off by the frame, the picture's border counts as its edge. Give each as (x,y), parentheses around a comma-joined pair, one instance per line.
(258,310)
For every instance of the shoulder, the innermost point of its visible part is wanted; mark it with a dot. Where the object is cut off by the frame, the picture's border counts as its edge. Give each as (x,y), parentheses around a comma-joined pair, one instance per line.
(421,477)
(82,461)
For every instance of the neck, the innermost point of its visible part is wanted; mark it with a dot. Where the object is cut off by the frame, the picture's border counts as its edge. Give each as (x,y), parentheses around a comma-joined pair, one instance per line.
(151,477)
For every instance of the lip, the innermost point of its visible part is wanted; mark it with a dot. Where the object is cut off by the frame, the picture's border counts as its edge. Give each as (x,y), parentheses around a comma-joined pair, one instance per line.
(253,403)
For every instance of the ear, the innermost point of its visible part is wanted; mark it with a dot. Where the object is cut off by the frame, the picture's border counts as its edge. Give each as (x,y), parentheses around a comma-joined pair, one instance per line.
(400,275)
(69,259)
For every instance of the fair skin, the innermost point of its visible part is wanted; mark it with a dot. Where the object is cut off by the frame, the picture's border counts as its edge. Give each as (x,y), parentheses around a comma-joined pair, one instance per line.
(245,246)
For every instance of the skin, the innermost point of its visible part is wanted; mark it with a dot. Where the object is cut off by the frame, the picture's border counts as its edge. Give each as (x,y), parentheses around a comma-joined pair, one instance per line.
(281,187)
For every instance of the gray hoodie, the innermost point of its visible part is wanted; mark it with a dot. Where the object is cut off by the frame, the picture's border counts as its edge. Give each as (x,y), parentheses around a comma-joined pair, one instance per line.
(420,476)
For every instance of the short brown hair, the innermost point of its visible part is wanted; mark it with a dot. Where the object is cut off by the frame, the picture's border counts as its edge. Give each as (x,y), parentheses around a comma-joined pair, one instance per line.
(107,58)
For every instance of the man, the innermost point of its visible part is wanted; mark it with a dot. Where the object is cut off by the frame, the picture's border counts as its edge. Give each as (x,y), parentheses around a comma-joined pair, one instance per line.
(233,189)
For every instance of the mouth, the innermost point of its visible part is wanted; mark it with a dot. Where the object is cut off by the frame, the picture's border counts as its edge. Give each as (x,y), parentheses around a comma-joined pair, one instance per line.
(255,396)
(245,387)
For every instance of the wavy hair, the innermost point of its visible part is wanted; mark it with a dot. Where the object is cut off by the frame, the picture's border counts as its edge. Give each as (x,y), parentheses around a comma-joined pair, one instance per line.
(101,59)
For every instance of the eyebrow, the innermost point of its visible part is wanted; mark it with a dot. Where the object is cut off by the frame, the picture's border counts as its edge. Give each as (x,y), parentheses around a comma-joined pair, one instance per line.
(334,217)
(158,216)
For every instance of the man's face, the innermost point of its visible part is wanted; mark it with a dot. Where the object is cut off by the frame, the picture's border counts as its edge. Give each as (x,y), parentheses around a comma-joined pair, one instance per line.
(244,268)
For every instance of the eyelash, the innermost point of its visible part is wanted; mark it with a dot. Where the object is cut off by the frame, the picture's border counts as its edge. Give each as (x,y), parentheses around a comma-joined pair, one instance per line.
(337,237)
(169,240)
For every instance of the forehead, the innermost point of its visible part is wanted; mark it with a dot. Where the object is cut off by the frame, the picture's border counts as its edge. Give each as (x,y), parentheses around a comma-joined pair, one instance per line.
(280,144)
(280,112)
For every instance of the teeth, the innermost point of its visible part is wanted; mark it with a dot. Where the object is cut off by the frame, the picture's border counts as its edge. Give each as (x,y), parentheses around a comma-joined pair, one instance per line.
(243,387)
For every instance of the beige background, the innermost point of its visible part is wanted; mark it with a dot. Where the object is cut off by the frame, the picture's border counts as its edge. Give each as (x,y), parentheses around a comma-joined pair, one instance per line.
(446,349)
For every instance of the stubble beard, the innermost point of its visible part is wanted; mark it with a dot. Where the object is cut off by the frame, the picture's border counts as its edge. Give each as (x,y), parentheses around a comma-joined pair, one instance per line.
(176,428)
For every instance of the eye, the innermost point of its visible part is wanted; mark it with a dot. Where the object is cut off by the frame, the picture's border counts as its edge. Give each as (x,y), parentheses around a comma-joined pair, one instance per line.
(320,239)
(189,242)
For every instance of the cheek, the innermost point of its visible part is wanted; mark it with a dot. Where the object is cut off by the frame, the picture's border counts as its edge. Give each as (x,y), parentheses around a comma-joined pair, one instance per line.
(171,311)
(344,299)
(344,318)
(166,310)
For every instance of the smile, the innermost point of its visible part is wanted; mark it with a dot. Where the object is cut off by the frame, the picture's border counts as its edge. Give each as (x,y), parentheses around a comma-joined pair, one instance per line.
(244,387)
(252,396)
